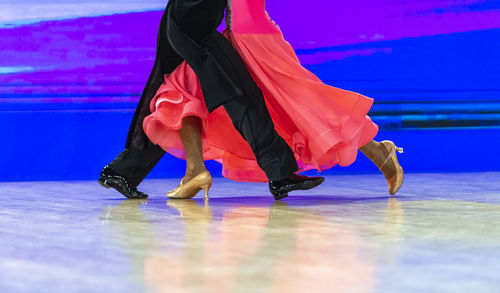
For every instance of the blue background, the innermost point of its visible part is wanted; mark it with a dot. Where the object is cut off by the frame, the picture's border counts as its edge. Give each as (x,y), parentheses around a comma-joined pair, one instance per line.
(70,79)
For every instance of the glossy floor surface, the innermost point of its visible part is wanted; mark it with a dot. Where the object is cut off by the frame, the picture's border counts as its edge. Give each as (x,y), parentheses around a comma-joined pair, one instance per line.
(440,234)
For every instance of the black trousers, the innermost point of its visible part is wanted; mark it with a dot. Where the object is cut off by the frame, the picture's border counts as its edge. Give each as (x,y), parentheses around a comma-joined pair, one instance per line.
(191,32)
(140,155)
(135,164)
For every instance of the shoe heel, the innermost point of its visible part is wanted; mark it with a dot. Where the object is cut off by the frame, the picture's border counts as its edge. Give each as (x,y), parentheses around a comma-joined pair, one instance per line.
(206,188)
(280,196)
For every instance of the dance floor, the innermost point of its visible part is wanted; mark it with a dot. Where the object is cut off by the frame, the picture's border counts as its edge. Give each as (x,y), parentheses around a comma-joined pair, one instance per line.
(440,234)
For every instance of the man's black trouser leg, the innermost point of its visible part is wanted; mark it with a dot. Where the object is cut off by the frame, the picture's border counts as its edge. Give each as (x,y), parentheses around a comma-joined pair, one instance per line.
(140,155)
(253,122)
(251,117)
(135,164)
(192,33)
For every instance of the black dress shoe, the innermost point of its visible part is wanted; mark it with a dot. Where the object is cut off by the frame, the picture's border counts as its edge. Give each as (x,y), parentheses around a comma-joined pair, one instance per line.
(110,178)
(281,188)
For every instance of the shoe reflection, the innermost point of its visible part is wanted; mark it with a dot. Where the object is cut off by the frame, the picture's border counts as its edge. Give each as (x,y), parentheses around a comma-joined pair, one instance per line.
(249,249)
(181,268)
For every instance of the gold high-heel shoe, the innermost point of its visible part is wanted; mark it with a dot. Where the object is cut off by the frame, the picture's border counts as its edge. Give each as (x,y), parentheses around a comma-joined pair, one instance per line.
(394,183)
(193,186)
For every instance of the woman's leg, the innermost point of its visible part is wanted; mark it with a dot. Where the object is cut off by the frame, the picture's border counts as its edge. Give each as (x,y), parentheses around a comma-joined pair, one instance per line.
(383,154)
(190,134)
(197,177)
(377,153)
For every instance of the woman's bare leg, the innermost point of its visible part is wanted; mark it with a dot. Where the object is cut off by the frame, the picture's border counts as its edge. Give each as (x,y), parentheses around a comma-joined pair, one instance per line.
(190,134)
(377,153)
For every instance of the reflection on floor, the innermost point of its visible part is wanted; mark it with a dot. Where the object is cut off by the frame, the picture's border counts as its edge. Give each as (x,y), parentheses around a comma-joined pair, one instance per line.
(440,234)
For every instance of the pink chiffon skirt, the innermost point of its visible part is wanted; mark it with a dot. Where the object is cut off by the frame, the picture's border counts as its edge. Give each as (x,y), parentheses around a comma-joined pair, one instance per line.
(324,126)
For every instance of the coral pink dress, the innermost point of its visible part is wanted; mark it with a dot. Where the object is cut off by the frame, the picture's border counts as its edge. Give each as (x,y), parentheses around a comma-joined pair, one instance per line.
(323,125)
